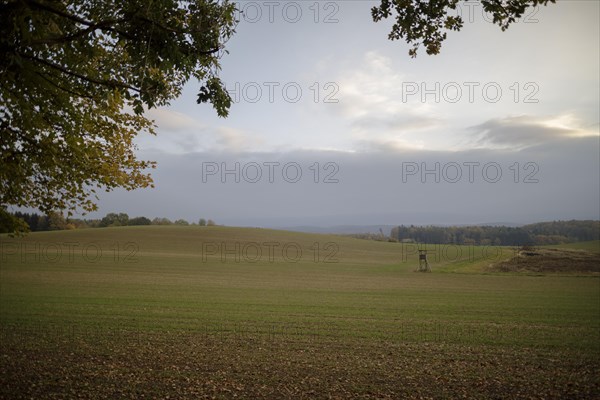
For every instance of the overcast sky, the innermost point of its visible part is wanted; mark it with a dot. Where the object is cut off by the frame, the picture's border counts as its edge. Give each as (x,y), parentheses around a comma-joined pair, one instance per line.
(335,124)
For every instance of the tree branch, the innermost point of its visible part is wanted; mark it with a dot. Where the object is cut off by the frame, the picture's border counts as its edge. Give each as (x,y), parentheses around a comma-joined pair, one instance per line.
(61,13)
(50,81)
(104,25)
(108,83)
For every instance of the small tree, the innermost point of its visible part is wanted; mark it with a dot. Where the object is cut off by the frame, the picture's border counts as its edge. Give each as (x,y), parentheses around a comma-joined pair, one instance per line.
(114,219)
(161,221)
(202,222)
(139,221)
(56,222)
(210,222)
(181,222)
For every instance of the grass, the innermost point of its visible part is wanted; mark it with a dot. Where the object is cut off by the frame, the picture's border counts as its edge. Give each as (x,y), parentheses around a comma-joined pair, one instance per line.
(592,246)
(280,314)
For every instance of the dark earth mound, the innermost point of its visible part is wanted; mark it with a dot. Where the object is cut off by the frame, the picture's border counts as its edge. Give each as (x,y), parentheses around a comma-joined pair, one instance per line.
(543,260)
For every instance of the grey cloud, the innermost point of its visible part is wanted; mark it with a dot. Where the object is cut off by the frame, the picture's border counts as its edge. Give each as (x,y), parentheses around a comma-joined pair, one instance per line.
(516,132)
(397,122)
(555,180)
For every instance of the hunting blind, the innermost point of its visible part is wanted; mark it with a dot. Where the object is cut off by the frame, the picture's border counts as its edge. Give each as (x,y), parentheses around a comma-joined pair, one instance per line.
(423,263)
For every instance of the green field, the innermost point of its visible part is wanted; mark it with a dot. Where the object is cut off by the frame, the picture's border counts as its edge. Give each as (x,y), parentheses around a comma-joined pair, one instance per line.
(194,312)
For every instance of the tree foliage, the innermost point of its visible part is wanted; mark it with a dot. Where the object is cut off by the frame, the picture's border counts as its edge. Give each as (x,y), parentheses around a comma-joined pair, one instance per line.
(76,79)
(426,22)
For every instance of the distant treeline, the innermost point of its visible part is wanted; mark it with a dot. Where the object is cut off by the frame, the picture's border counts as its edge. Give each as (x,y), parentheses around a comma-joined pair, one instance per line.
(56,221)
(541,233)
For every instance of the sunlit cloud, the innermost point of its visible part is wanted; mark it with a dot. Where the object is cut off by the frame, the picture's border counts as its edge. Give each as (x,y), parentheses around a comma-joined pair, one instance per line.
(523,131)
(237,140)
(173,121)
(372,103)
(571,125)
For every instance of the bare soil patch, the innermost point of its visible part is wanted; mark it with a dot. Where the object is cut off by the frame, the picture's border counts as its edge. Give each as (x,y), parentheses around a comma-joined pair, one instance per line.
(544,260)
(210,367)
